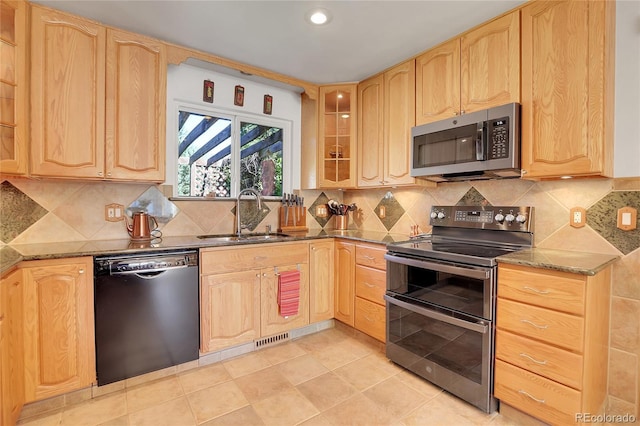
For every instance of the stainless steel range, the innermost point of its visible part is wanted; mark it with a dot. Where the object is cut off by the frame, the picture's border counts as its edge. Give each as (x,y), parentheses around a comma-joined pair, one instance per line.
(441,292)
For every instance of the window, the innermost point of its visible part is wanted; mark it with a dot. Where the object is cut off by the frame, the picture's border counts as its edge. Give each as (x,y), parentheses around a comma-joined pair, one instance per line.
(220,155)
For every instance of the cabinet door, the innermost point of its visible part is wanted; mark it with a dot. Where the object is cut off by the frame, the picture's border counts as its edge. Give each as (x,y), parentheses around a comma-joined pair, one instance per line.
(438,83)
(566,100)
(370,132)
(11,348)
(490,64)
(13,88)
(59,339)
(229,309)
(345,282)
(399,113)
(337,136)
(67,95)
(271,320)
(321,281)
(136,107)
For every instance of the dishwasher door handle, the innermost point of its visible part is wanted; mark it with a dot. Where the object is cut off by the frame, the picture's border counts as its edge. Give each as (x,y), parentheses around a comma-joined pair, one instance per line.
(146,271)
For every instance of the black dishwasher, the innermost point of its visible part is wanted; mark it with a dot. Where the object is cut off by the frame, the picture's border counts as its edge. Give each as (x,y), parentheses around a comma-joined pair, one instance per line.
(146,312)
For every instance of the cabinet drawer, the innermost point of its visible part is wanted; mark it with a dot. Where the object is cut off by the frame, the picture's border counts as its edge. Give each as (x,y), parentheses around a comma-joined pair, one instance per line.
(535,395)
(548,361)
(227,259)
(371,255)
(554,290)
(371,284)
(553,327)
(370,319)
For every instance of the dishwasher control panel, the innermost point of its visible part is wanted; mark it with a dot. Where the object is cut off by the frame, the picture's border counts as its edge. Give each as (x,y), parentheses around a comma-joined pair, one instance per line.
(134,263)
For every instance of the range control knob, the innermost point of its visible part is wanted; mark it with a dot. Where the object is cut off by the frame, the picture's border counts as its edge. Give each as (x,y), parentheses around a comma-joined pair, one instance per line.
(521,218)
(434,215)
(499,217)
(440,215)
(509,218)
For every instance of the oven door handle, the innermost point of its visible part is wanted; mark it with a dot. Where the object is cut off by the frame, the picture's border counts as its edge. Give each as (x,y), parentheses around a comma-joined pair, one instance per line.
(465,271)
(477,327)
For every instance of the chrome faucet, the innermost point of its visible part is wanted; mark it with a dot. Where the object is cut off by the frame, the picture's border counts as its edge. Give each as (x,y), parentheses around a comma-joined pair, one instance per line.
(239,225)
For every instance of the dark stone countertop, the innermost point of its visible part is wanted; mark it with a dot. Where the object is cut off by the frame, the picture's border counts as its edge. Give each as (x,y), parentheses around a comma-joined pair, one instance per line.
(11,255)
(560,260)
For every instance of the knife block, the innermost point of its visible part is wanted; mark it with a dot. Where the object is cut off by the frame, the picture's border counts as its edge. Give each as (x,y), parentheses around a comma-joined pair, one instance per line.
(293,222)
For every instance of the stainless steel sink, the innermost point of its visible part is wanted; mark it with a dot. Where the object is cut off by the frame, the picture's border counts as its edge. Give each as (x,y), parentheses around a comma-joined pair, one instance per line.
(243,237)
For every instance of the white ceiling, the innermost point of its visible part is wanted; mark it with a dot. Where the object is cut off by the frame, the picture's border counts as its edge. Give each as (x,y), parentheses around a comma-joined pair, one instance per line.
(363,37)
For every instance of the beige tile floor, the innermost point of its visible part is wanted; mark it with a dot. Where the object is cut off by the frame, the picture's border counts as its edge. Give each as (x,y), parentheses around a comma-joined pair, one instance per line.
(335,377)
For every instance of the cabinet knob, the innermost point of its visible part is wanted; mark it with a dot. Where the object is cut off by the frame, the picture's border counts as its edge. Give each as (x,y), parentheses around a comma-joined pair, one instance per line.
(461,112)
(264,275)
(81,271)
(99,173)
(108,173)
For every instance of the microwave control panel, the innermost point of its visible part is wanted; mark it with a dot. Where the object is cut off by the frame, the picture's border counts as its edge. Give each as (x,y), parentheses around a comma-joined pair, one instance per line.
(498,138)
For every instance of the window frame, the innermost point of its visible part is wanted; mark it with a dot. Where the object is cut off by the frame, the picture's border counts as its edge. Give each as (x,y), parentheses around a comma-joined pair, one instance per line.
(236,117)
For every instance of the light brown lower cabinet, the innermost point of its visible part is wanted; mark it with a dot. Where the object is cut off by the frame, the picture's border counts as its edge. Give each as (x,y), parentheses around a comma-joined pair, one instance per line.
(239,289)
(321,280)
(552,342)
(58,326)
(360,287)
(345,264)
(11,348)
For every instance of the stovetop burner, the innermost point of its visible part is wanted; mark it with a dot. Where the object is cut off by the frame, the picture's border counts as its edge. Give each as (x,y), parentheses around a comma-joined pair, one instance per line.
(472,235)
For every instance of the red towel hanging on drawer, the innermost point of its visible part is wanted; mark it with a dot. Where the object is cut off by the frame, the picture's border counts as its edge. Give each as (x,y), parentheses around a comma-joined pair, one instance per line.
(288,292)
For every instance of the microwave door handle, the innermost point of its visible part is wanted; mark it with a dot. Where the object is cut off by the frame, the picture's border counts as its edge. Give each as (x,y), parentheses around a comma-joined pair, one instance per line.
(480,142)
(477,327)
(477,273)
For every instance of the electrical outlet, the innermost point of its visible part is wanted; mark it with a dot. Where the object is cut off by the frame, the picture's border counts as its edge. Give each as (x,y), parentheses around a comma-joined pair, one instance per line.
(577,217)
(114,212)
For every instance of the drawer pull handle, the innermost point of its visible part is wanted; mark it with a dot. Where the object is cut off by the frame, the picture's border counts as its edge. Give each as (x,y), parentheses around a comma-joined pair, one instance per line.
(368,319)
(535,290)
(369,285)
(533,359)
(542,327)
(368,257)
(527,394)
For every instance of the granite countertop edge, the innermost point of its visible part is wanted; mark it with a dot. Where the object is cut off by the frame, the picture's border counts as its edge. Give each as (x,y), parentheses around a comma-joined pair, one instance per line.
(12,255)
(575,262)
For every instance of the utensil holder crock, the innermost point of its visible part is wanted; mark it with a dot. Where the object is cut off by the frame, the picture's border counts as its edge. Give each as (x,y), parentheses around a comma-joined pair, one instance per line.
(341,222)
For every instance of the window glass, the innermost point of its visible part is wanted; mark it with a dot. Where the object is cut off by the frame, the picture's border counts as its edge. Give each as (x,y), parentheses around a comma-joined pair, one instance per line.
(208,165)
(261,158)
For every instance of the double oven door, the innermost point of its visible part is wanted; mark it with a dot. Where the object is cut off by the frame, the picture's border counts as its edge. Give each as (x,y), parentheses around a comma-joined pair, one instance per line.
(440,324)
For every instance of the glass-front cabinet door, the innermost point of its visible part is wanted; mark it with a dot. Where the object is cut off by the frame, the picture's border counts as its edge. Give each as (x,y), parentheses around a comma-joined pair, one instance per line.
(337,136)
(13,91)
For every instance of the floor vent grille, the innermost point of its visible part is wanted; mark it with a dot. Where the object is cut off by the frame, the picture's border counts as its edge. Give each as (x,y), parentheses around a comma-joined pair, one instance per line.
(271,340)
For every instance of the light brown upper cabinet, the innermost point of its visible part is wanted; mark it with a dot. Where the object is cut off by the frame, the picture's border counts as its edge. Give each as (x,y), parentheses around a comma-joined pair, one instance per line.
(13,88)
(386,114)
(97,100)
(337,136)
(478,70)
(567,88)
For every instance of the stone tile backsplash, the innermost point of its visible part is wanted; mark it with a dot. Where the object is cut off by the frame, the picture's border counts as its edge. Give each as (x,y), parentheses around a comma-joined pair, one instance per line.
(60,212)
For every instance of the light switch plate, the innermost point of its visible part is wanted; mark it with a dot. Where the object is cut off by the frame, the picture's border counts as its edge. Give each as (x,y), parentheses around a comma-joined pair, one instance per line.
(577,217)
(627,217)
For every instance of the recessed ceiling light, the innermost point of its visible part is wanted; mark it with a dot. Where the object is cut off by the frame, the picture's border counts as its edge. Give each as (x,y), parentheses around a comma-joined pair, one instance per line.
(319,16)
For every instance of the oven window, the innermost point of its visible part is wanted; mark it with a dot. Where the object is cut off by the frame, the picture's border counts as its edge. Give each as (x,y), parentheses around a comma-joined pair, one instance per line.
(450,291)
(451,347)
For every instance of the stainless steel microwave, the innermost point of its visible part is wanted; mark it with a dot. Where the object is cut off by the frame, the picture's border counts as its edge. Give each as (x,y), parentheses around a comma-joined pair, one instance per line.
(479,145)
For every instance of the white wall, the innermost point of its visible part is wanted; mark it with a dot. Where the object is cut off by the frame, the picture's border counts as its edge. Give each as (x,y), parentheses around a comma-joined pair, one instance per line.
(627,104)
(185,87)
